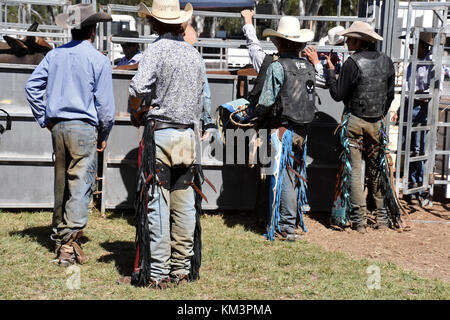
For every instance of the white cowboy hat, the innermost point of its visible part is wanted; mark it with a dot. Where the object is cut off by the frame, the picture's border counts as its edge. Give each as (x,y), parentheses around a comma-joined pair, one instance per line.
(289,29)
(80,15)
(167,11)
(333,38)
(360,30)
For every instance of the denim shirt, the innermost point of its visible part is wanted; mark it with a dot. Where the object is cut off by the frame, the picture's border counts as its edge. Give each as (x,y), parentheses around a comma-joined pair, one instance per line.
(77,81)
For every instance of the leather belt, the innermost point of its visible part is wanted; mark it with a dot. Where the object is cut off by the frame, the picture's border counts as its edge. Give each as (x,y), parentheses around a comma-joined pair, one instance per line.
(159,125)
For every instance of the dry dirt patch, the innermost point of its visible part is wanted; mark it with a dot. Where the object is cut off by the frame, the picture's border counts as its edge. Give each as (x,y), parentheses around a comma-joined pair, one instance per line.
(425,249)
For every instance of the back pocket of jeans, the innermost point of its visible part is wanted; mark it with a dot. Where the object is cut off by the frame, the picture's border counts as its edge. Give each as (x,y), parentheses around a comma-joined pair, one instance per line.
(82,140)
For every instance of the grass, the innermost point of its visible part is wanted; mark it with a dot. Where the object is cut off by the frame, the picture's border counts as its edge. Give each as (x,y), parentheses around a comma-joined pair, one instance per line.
(237,264)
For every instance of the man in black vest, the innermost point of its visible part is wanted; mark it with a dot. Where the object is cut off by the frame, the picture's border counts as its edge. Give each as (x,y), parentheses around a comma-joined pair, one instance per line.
(288,96)
(366,86)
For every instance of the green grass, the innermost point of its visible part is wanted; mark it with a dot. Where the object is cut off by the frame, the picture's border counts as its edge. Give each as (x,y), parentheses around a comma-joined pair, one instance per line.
(237,264)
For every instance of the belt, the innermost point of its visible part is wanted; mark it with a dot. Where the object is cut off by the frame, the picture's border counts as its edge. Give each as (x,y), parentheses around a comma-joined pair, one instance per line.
(159,125)
(58,120)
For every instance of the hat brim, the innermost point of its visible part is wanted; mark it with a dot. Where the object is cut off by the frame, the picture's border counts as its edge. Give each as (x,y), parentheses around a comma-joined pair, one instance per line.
(304,36)
(185,14)
(430,43)
(61,20)
(366,36)
(339,41)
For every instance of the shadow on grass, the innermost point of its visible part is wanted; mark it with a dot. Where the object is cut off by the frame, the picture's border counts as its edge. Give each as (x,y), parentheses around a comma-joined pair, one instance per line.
(39,234)
(122,253)
(123,214)
(248,219)
(42,236)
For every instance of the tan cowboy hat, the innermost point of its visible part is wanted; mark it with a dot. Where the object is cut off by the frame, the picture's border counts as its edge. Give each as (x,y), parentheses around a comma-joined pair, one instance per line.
(360,30)
(426,37)
(81,15)
(190,35)
(289,29)
(167,11)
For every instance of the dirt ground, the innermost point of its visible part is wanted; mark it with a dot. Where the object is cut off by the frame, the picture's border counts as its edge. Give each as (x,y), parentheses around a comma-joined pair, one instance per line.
(425,249)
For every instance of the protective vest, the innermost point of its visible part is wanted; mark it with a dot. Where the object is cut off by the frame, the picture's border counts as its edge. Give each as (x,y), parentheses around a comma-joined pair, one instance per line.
(296,99)
(369,98)
(253,96)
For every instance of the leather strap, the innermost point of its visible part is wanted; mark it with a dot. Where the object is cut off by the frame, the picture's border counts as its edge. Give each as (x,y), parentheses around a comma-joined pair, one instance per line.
(159,125)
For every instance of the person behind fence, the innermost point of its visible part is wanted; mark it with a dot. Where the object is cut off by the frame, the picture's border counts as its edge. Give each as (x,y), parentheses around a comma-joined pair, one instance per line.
(132,53)
(419,113)
(79,111)
(366,86)
(332,39)
(169,87)
(288,98)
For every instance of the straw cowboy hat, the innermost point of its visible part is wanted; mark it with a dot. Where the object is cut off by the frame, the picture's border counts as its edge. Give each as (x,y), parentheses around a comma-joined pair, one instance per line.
(332,39)
(360,30)
(289,29)
(167,11)
(426,37)
(81,15)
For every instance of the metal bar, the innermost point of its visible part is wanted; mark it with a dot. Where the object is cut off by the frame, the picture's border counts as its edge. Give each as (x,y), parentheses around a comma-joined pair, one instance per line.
(34,34)
(414,190)
(410,107)
(442,152)
(28,159)
(419,158)
(26,205)
(103,180)
(25,26)
(37,2)
(200,13)
(442,182)
(398,185)
(431,136)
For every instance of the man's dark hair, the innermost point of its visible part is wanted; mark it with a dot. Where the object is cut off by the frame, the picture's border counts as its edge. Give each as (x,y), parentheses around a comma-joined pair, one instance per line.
(161,28)
(84,33)
(290,46)
(368,45)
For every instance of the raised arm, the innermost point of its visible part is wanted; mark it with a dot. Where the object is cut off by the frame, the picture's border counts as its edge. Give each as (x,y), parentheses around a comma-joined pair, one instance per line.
(254,48)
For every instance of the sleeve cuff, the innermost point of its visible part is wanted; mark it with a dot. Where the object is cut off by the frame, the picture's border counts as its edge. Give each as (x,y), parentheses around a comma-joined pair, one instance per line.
(331,75)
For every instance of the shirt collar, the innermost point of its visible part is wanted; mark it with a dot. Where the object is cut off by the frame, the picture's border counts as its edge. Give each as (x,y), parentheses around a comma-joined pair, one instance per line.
(289,55)
(171,36)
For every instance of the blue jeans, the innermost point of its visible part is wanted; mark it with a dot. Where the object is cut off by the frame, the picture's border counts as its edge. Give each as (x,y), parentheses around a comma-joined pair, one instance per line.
(171,214)
(288,202)
(289,188)
(75,148)
(416,168)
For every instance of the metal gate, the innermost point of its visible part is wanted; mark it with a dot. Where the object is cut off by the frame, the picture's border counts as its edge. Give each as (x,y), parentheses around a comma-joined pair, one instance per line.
(429,130)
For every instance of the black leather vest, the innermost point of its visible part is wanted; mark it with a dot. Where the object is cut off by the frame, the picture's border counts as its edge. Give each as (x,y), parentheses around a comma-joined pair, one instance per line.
(369,98)
(297,96)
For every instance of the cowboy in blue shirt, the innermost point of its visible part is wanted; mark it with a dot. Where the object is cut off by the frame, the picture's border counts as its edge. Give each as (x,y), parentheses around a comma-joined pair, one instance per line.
(79,111)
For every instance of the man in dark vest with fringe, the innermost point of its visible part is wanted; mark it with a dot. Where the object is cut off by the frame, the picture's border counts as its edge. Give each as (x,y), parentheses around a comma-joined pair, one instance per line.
(366,86)
(288,100)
